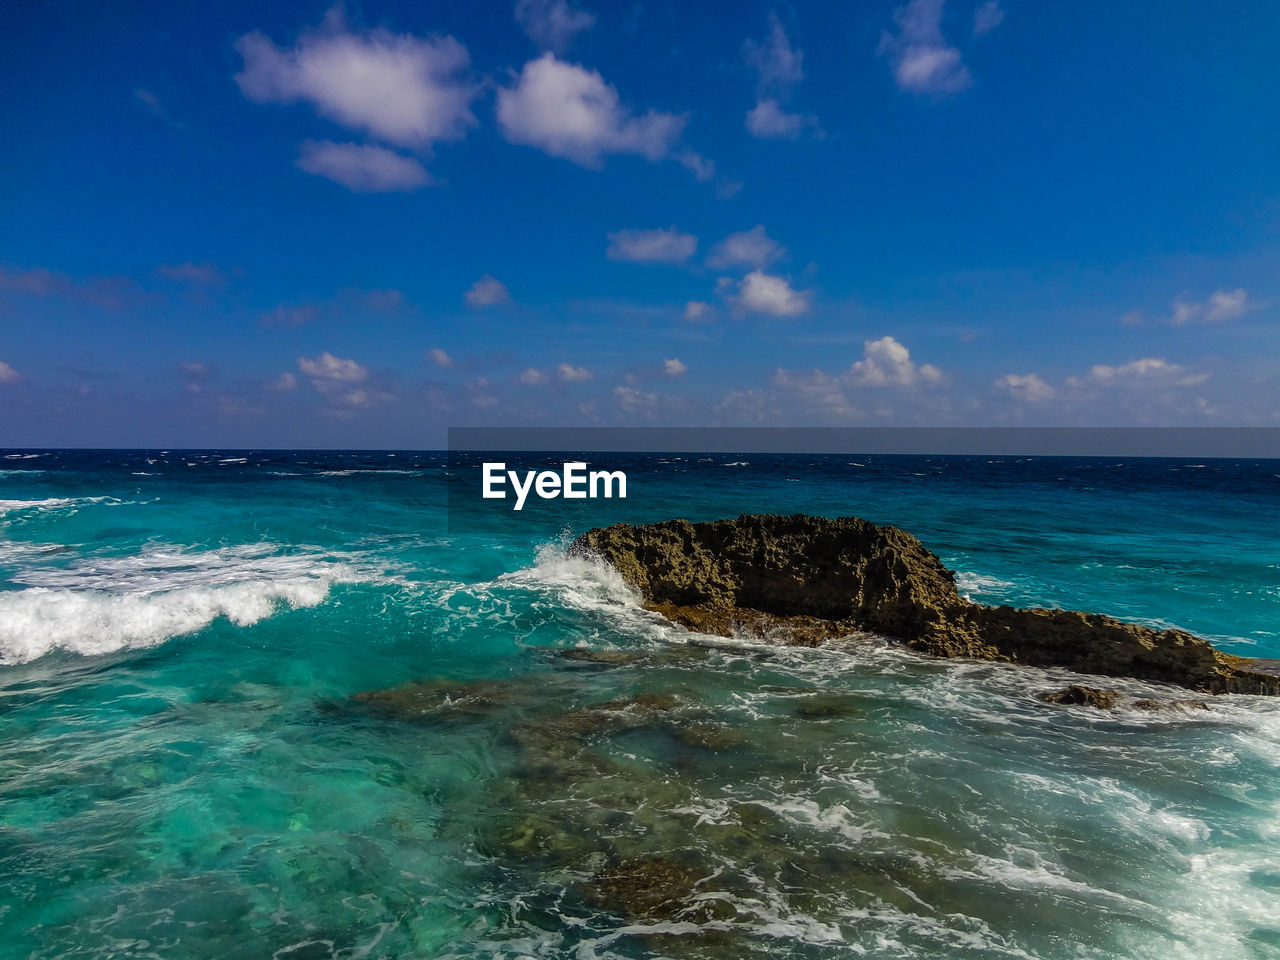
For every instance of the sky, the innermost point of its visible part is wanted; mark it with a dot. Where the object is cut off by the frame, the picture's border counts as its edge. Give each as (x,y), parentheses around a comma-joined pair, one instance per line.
(302,225)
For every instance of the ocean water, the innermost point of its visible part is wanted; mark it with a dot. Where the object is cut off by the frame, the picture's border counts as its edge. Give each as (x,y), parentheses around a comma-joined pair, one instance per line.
(185,771)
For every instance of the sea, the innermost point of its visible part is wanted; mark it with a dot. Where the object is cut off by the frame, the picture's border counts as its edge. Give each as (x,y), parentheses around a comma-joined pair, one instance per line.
(187,770)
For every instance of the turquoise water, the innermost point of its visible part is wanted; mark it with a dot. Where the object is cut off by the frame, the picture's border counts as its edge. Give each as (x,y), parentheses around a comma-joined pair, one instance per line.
(184,772)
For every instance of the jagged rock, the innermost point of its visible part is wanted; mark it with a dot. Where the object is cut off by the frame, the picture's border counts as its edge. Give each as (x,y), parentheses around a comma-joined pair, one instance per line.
(803,579)
(1160,705)
(438,699)
(1079,696)
(646,887)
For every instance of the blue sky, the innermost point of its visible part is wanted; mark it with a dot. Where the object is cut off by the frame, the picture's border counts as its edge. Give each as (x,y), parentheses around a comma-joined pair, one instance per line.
(291,224)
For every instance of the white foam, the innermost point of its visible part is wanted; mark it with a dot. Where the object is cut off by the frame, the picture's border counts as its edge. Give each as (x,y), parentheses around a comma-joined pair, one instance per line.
(102,605)
(970,583)
(51,503)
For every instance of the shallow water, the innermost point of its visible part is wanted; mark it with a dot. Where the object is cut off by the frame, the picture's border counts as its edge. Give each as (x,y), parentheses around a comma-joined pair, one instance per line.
(184,772)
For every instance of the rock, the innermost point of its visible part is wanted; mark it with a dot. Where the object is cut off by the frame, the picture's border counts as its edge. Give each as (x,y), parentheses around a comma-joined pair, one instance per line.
(1146,704)
(603,658)
(1076,695)
(644,888)
(802,579)
(848,569)
(438,699)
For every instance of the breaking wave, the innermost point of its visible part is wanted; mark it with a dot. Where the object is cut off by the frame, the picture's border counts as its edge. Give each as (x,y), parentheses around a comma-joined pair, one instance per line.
(102,605)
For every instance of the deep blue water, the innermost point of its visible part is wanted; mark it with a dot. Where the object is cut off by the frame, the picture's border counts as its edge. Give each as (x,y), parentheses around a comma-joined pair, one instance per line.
(184,774)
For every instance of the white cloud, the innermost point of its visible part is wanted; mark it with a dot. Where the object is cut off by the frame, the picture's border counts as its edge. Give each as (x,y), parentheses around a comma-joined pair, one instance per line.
(362,167)
(196,371)
(987,17)
(701,168)
(327,367)
(698,311)
(404,89)
(568,111)
(487,292)
(286,381)
(1222,306)
(631,399)
(764,293)
(1226,305)
(818,390)
(532,376)
(1147,371)
(552,24)
(923,62)
(776,62)
(749,248)
(768,121)
(1026,387)
(8,374)
(651,246)
(673,367)
(887,363)
(439,357)
(571,374)
(779,67)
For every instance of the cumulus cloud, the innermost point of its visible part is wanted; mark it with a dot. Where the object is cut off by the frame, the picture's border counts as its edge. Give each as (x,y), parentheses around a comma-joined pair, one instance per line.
(569,111)
(571,374)
(923,62)
(767,120)
(407,90)
(328,369)
(1222,306)
(887,363)
(749,248)
(778,64)
(487,292)
(651,246)
(818,391)
(532,376)
(760,292)
(552,24)
(699,311)
(632,400)
(362,167)
(1026,387)
(439,357)
(701,168)
(779,67)
(286,381)
(673,367)
(1226,305)
(8,374)
(196,274)
(1147,371)
(987,17)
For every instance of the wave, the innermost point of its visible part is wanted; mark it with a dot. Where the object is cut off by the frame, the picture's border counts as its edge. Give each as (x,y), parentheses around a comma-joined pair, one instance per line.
(102,605)
(972,584)
(49,503)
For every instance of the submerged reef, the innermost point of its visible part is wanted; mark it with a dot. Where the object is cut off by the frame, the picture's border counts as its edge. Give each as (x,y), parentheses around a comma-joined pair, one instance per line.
(805,579)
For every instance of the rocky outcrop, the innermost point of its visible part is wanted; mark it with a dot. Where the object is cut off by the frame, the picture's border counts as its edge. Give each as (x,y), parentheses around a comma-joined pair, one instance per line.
(803,579)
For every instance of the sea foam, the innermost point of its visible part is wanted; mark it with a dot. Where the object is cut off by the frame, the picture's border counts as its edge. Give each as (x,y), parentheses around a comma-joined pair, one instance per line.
(106,604)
